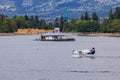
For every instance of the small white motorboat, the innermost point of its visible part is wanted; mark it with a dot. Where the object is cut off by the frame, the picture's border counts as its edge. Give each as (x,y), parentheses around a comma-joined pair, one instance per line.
(83,53)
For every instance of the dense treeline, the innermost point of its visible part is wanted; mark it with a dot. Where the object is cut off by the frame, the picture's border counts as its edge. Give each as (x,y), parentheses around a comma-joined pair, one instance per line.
(86,23)
(112,23)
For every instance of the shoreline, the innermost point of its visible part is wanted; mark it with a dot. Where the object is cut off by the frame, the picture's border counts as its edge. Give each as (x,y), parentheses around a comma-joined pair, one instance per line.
(15,34)
(77,34)
(98,34)
(7,34)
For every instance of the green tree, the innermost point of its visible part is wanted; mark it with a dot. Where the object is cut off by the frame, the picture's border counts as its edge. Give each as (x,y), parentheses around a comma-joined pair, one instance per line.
(7,26)
(21,22)
(86,16)
(117,13)
(82,17)
(35,22)
(111,15)
(51,25)
(43,24)
(13,25)
(103,26)
(62,20)
(26,18)
(57,22)
(95,17)
(88,26)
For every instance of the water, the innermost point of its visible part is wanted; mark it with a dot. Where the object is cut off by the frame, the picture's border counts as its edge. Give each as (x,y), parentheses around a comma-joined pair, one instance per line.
(21,58)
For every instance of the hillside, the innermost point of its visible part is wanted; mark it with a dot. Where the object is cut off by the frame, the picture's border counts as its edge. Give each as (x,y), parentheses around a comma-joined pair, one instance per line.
(50,9)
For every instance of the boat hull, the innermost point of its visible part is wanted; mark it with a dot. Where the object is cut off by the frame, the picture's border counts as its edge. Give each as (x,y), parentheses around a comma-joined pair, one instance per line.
(57,39)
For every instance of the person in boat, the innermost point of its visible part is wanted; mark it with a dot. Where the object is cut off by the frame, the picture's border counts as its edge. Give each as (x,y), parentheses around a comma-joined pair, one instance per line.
(92,51)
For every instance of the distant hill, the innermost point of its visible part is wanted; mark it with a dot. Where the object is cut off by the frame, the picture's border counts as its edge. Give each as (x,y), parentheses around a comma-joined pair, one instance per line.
(50,9)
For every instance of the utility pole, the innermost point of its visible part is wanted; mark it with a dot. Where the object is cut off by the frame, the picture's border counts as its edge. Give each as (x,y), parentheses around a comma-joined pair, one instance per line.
(66,12)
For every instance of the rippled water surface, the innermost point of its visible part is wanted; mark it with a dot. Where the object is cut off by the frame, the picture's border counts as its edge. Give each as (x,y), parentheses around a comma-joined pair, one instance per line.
(21,58)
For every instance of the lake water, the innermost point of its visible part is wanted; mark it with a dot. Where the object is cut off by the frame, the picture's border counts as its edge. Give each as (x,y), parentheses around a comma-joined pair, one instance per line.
(21,58)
